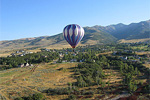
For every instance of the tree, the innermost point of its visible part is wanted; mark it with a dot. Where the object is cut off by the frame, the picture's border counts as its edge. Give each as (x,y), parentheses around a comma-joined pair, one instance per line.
(103,84)
(136,71)
(131,87)
(38,96)
(81,82)
(127,79)
(98,80)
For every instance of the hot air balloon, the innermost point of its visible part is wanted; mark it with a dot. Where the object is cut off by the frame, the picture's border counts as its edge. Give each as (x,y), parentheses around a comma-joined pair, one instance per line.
(73,34)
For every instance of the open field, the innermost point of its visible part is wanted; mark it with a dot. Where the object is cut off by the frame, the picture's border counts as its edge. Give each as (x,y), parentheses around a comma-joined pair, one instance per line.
(24,81)
(5,53)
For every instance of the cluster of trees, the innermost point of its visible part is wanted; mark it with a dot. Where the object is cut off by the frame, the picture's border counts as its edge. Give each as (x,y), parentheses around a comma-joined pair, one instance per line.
(37,96)
(71,91)
(124,67)
(68,57)
(14,61)
(88,52)
(140,46)
(123,46)
(87,57)
(61,91)
(125,53)
(128,70)
(89,74)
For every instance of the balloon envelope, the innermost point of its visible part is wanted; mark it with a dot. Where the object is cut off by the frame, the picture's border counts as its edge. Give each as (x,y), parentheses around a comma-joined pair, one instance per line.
(73,34)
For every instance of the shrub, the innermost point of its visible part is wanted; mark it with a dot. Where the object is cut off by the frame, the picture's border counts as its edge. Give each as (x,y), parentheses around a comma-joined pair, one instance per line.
(89,93)
(58,91)
(72,97)
(19,98)
(37,96)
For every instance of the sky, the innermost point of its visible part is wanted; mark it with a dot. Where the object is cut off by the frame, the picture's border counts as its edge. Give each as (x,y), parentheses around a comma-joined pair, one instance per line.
(34,18)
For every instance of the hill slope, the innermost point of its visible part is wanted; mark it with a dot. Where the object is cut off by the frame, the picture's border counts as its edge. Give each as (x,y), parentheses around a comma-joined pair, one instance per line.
(92,36)
(132,31)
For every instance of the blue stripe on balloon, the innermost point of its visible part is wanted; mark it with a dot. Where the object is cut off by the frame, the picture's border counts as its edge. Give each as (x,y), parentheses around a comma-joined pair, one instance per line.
(68,35)
(76,36)
(73,35)
(65,33)
(79,39)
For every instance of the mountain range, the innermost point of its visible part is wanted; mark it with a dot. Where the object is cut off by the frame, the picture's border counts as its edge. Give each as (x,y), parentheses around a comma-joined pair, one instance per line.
(93,35)
(132,31)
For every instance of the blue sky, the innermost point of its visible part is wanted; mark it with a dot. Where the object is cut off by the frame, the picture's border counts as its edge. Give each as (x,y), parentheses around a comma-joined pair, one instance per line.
(33,18)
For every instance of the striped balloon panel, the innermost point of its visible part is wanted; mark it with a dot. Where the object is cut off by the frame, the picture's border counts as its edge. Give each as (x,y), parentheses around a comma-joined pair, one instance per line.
(73,34)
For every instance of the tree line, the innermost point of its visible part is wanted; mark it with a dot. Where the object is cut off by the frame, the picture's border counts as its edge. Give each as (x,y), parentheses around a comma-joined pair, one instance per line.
(14,61)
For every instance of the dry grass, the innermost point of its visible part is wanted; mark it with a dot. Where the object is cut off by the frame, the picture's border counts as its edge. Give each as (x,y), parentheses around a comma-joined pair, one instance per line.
(105,53)
(35,50)
(113,77)
(62,45)
(147,65)
(133,40)
(7,51)
(91,42)
(142,53)
(4,54)
(22,81)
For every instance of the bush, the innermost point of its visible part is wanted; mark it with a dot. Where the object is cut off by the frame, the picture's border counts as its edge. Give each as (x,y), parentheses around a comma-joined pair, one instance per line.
(19,98)
(147,88)
(89,93)
(72,97)
(37,96)
(58,91)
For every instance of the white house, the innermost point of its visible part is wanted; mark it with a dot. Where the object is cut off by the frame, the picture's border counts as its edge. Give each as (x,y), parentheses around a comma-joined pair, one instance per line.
(21,65)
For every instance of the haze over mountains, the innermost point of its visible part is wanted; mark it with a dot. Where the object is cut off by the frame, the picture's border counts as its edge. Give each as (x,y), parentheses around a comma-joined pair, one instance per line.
(93,35)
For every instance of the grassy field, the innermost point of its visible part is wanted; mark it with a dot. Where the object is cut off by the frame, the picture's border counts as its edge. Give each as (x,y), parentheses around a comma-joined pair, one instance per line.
(24,81)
